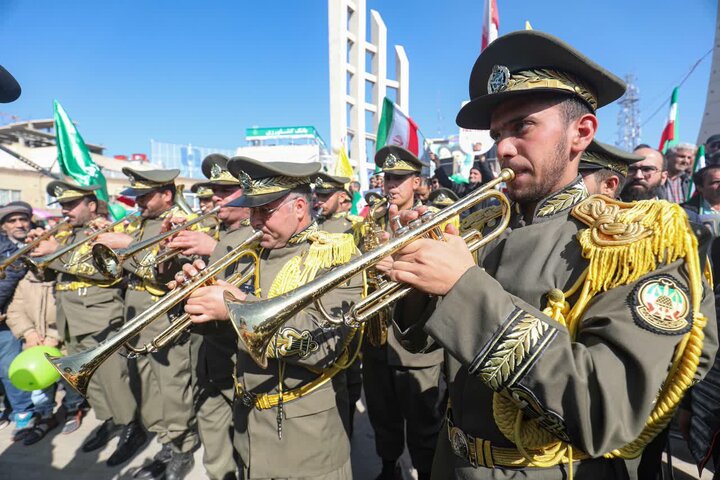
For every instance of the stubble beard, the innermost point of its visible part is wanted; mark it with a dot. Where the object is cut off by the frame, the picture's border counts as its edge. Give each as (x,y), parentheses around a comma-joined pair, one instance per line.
(556,166)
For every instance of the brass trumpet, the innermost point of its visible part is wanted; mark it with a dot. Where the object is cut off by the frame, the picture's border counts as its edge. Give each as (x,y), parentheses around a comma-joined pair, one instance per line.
(79,368)
(9,261)
(183,322)
(256,323)
(109,262)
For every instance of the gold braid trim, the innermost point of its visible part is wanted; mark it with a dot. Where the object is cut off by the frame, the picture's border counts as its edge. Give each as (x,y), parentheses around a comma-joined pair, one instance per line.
(624,242)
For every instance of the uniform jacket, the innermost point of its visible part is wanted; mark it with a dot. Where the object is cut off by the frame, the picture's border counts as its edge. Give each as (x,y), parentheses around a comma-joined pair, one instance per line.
(595,392)
(33,308)
(314,441)
(89,309)
(13,275)
(338,223)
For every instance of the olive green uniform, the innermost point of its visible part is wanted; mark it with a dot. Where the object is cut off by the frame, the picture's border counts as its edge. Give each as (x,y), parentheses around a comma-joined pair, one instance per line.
(213,348)
(405,396)
(164,376)
(314,441)
(90,311)
(596,391)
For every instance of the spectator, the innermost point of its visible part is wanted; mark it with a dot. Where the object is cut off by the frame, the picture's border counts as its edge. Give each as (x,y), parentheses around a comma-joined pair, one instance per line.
(423,191)
(435,183)
(480,174)
(704,208)
(14,226)
(645,178)
(680,160)
(712,149)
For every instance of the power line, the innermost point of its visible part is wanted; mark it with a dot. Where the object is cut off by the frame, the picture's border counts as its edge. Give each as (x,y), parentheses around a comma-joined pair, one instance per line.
(679,85)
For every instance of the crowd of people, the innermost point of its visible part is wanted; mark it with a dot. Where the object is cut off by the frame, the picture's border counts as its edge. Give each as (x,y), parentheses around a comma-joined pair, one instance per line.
(558,347)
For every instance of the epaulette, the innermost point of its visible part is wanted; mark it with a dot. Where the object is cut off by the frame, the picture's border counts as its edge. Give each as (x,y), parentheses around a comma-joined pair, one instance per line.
(487,217)
(354,218)
(62,235)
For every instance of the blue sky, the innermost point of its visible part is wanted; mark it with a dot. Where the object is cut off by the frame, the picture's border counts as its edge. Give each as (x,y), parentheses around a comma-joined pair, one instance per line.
(202,72)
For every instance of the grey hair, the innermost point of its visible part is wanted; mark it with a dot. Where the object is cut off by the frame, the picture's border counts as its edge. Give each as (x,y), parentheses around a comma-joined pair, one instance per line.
(680,146)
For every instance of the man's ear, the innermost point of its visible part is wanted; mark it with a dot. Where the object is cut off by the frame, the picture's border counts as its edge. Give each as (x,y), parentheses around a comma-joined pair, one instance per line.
(585,129)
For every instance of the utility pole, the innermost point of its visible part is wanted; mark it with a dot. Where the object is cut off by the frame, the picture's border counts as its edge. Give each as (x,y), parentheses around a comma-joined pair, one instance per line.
(628,120)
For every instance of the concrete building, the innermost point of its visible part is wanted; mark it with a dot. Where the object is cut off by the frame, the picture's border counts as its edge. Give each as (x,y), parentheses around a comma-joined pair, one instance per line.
(359,81)
(28,162)
(711,119)
(301,144)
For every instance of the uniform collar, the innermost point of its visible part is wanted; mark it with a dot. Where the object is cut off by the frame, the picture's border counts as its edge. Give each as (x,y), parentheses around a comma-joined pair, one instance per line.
(557,203)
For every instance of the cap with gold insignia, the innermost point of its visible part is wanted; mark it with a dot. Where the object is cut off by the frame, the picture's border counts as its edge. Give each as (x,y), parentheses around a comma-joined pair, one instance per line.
(372,196)
(601,155)
(201,191)
(9,87)
(265,182)
(398,161)
(327,184)
(67,190)
(442,197)
(214,167)
(532,61)
(145,181)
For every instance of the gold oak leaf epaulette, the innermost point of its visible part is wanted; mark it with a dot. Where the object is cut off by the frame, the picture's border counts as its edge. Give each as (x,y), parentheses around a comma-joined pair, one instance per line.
(487,217)
(63,235)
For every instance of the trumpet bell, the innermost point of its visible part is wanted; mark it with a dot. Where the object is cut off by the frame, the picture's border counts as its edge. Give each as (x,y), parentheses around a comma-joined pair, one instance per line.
(106,260)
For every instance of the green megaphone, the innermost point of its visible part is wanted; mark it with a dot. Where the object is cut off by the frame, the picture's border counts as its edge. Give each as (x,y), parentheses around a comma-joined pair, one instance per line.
(32,371)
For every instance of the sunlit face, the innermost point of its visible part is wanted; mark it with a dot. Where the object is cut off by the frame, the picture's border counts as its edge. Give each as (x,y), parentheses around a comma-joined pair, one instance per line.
(224,194)
(681,160)
(79,211)
(401,189)
(710,189)
(206,204)
(154,203)
(327,204)
(644,177)
(532,139)
(16,226)
(279,220)
(475,176)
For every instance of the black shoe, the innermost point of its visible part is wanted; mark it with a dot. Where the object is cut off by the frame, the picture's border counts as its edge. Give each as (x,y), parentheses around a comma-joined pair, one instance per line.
(131,439)
(101,436)
(390,471)
(179,466)
(156,468)
(39,430)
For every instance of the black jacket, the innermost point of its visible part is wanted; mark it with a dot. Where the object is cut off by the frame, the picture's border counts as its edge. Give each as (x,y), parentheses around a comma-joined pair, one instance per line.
(13,275)
(462,189)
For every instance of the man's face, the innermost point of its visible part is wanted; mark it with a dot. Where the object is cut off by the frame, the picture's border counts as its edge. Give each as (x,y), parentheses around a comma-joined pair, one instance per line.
(401,189)
(224,194)
(681,160)
(80,211)
(532,139)
(154,203)
(279,220)
(16,226)
(327,204)
(712,146)
(475,176)
(423,192)
(206,204)
(710,189)
(644,177)
(380,180)
(435,184)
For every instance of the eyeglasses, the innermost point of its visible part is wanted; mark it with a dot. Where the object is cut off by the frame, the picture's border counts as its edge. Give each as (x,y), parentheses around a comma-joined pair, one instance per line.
(646,170)
(266,212)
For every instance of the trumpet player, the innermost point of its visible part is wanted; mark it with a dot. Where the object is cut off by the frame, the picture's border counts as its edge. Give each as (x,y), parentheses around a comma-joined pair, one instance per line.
(90,310)
(333,203)
(204,196)
(287,420)
(213,345)
(164,376)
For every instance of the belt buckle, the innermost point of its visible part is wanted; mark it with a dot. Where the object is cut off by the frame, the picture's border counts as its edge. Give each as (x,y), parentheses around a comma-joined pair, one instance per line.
(246,398)
(82,291)
(459,443)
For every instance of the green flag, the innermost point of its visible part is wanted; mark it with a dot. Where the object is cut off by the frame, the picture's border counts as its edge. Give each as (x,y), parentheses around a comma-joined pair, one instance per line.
(73,155)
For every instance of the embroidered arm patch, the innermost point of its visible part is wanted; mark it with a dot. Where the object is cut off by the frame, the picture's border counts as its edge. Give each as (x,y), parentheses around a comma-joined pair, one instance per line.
(661,304)
(513,350)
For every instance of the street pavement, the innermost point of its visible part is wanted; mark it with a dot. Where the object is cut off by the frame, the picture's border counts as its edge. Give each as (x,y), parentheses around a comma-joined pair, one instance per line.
(58,457)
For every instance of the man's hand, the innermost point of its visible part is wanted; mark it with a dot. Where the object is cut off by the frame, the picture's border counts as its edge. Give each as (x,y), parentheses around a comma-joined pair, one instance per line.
(32,339)
(114,240)
(46,247)
(193,243)
(170,223)
(33,234)
(51,342)
(98,224)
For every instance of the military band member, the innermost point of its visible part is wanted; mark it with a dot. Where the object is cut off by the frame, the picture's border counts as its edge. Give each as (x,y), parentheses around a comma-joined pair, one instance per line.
(166,395)
(578,330)
(441,198)
(89,311)
(204,195)
(333,203)
(604,168)
(287,420)
(213,345)
(403,390)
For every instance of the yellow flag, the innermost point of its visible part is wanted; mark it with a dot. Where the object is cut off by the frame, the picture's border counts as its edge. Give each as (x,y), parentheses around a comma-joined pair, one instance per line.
(342,166)
(527,25)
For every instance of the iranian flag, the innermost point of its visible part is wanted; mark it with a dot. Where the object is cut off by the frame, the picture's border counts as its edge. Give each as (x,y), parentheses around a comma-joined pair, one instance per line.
(698,165)
(396,128)
(670,132)
(491,23)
